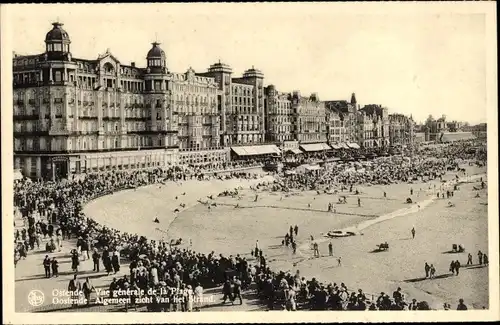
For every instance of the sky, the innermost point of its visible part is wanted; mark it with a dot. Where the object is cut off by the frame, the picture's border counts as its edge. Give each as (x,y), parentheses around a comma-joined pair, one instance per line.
(417,62)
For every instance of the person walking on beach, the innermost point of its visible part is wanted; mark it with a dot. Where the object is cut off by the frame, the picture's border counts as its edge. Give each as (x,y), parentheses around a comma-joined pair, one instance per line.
(339,261)
(427,270)
(480,257)
(316,249)
(413,232)
(359,202)
(432,271)
(296,230)
(452,267)
(469,259)
(457,266)
(330,249)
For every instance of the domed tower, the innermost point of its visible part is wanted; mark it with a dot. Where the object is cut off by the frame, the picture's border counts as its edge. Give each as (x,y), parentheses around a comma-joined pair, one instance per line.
(57,43)
(156,59)
(156,82)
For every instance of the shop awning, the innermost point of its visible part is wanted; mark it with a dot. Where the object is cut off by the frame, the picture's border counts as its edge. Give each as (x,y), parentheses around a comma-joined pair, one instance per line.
(256,150)
(343,146)
(353,145)
(335,147)
(295,151)
(315,147)
(17,175)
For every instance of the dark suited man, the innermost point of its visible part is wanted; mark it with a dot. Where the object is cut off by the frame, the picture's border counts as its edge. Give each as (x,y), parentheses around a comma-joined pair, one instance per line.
(95,258)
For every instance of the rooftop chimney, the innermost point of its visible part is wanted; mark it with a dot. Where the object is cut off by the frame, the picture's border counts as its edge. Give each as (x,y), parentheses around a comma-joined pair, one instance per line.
(132,64)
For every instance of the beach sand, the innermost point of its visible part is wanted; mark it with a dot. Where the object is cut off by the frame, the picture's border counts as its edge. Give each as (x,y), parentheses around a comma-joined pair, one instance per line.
(229,230)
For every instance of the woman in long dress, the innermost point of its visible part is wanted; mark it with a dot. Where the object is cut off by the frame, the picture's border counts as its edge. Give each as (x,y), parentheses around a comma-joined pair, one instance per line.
(189,298)
(292,303)
(198,297)
(154,274)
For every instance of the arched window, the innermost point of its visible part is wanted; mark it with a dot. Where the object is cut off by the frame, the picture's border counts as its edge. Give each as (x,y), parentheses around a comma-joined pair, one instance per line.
(108,68)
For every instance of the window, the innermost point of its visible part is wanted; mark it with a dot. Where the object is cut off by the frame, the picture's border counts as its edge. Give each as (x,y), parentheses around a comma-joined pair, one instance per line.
(58,76)
(57,47)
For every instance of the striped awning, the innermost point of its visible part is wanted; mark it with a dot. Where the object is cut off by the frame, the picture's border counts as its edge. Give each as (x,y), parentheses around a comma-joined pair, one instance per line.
(315,147)
(343,146)
(256,150)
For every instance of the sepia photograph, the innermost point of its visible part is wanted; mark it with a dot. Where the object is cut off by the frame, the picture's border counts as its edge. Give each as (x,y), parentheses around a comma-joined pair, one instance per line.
(206,158)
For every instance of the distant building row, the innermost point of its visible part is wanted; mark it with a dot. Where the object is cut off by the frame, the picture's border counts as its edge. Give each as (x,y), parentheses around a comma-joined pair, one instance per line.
(74,115)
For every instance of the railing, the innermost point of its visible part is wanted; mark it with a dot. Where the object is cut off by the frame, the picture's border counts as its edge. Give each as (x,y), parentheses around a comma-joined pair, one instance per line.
(201,149)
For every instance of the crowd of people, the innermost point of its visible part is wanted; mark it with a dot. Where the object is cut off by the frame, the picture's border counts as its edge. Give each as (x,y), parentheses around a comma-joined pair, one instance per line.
(53,210)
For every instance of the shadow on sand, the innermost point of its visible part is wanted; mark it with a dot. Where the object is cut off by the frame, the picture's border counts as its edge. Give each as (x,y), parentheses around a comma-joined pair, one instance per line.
(378,250)
(442,276)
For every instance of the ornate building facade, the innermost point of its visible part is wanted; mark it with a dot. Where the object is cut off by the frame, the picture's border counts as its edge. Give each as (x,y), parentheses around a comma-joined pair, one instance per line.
(74,115)
(310,118)
(279,117)
(77,115)
(347,112)
(401,130)
(241,105)
(336,131)
(373,126)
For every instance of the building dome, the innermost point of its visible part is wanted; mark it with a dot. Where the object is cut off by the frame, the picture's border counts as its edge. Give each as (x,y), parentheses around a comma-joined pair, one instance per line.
(57,33)
(156,52)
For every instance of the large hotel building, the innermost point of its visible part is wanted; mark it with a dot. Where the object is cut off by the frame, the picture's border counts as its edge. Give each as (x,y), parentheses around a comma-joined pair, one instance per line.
(74,115)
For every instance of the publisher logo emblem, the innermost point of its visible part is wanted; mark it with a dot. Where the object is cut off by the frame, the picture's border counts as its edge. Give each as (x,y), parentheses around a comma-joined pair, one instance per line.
(36,298)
